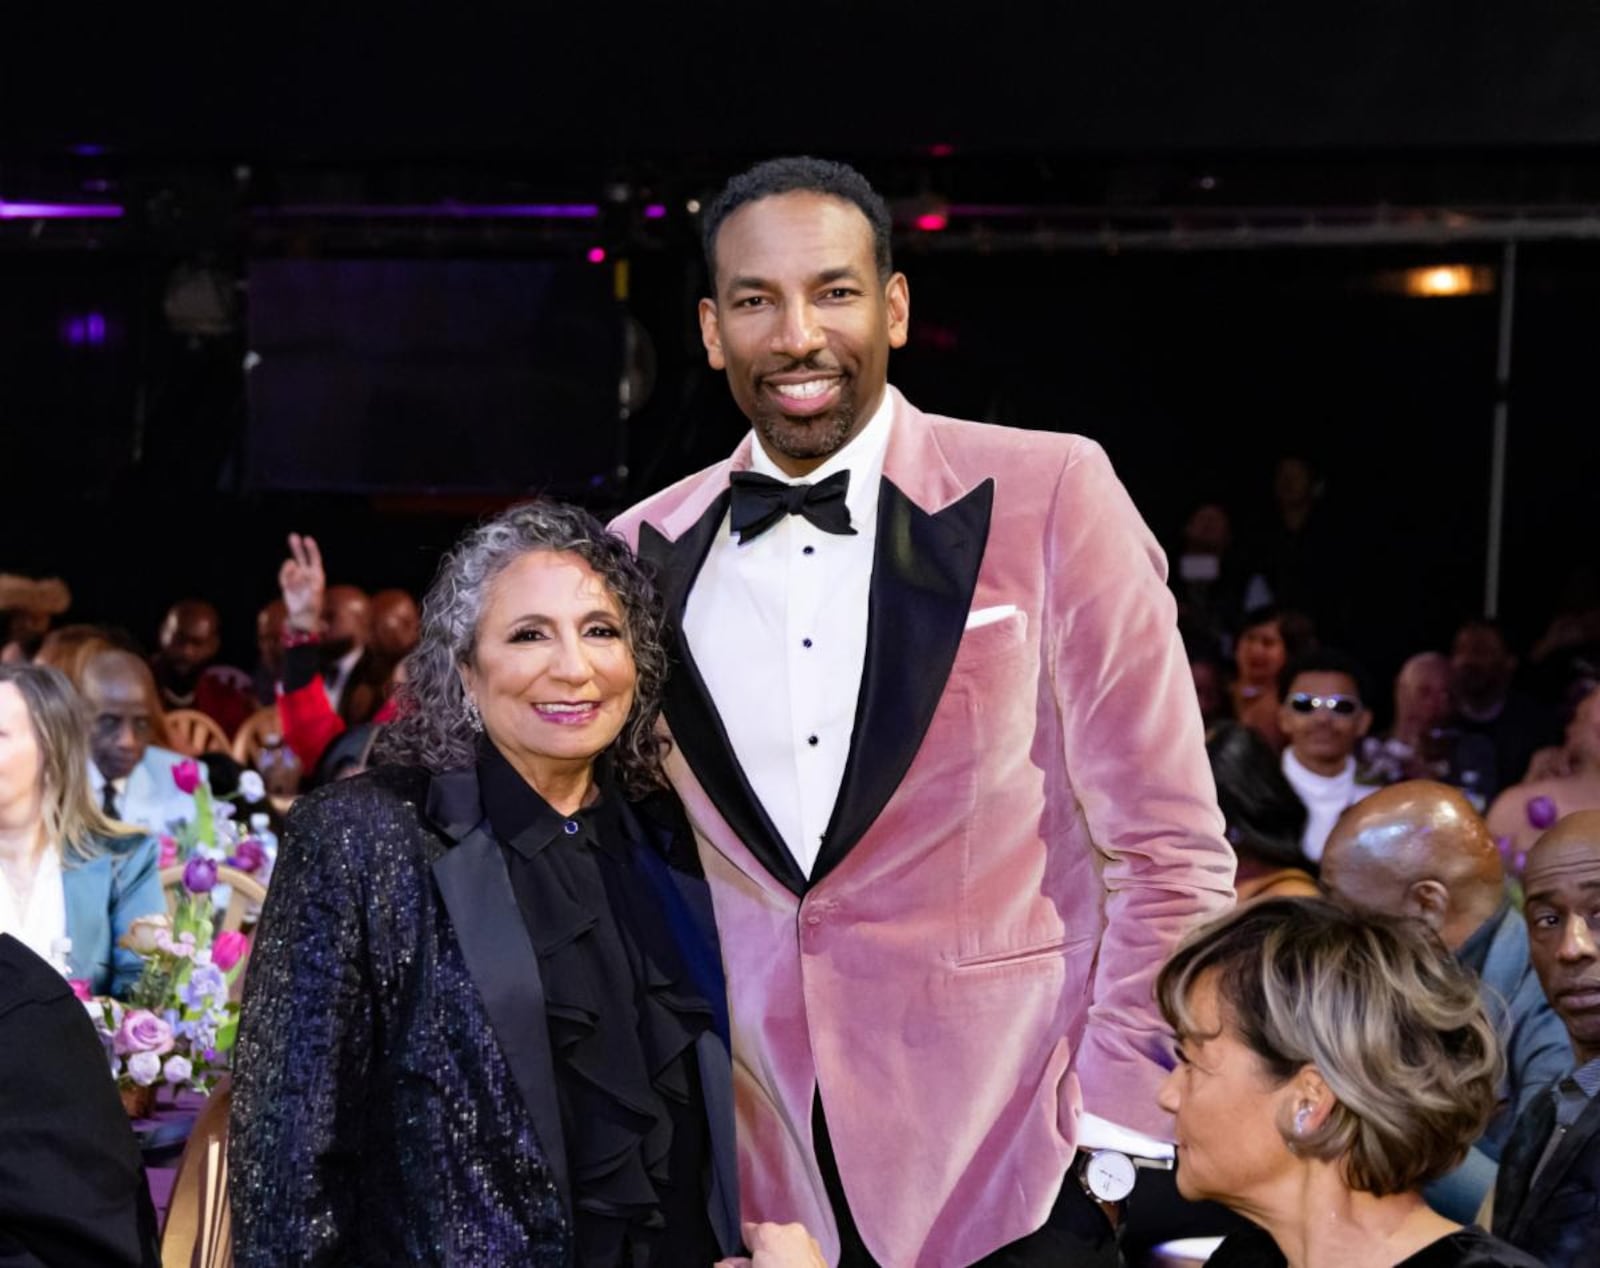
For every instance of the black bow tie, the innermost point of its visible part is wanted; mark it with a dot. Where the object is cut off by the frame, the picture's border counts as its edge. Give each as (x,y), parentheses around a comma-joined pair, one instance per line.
(759,502)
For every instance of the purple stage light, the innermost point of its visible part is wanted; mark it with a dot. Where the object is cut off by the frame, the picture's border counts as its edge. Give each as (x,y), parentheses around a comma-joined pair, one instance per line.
(654,211)
(423,211)
(87,149)
(59,211)
(597,255)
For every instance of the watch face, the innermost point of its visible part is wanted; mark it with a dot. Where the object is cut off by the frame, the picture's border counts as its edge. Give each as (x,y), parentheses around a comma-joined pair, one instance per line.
(1109,1175)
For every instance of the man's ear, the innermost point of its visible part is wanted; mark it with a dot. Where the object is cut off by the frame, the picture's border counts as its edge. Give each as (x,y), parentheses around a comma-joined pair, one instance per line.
(1428,901)
(711,334)
(1363,723)
(897,298)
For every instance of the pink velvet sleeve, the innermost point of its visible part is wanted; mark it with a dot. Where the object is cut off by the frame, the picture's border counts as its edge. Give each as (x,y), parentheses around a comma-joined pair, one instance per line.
(1135,757)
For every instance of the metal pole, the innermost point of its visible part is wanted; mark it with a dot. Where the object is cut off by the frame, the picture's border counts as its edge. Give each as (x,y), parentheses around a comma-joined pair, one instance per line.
(1497,452)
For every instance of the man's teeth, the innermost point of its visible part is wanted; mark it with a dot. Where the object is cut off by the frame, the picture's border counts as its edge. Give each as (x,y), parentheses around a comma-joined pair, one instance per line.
(803,391)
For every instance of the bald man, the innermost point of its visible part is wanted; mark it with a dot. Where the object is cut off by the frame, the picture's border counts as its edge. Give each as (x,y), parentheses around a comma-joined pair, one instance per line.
(1424,743)
(351,670)
(1419,849)
(130,777)
(185,670)
(1547,1200)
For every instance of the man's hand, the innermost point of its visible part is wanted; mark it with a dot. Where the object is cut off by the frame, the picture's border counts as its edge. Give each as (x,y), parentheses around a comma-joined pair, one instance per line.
(302,581)
(778,1246)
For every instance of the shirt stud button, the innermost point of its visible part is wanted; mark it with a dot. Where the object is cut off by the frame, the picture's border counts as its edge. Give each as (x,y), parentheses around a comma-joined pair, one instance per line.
(570,827)
(808,550)
(811,740)
(805,642)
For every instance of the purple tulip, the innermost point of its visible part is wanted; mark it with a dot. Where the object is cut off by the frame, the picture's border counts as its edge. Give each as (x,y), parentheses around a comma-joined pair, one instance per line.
(186,774)
(248,855)
(199,875)
(1541,812)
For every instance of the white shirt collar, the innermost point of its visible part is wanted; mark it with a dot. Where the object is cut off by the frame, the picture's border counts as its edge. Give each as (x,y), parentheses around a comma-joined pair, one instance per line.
(1293,766)
(862,457)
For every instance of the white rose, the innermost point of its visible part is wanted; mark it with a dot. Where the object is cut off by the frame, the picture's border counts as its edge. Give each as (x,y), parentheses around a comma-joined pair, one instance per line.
(251,786)
(141,935)
(144,1068)
(177,1070)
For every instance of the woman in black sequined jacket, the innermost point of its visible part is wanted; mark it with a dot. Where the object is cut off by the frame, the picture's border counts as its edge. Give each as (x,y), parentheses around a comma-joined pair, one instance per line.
(484,1021)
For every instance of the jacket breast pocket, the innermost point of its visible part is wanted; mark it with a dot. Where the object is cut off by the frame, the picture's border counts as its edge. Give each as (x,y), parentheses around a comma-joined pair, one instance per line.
(994,640)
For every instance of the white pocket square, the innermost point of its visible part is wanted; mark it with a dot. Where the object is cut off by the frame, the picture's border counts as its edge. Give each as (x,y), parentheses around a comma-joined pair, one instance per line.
(988,616)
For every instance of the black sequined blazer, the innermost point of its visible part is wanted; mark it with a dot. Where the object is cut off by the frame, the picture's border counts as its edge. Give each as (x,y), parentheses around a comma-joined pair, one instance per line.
(394,1098)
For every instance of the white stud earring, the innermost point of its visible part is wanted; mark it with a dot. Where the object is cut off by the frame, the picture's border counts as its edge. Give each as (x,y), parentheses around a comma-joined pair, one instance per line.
(1302,1117)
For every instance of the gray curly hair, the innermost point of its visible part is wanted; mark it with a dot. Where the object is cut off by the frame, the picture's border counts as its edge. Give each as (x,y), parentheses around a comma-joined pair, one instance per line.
(432,727)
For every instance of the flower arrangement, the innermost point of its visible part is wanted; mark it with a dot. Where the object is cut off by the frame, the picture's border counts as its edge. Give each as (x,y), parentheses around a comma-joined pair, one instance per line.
(211,831)
(179,1025)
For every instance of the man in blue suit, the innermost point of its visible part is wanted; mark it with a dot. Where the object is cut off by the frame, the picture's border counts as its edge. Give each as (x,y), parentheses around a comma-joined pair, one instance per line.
(130,777)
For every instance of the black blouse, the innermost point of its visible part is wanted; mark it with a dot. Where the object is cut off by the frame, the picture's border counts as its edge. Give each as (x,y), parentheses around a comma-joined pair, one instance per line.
(624,1017)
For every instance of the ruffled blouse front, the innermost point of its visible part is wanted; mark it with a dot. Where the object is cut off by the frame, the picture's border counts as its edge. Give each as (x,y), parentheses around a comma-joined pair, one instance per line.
(624,1017)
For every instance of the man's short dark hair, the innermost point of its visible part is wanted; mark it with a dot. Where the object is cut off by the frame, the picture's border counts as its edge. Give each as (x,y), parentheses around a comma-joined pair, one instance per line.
(799,174)
(1324,660)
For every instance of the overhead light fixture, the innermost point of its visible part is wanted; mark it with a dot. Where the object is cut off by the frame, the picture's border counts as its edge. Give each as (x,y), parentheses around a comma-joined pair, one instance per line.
(1441,281)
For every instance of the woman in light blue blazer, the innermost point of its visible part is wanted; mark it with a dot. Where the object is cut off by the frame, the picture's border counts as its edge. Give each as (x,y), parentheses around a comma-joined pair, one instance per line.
(72,880)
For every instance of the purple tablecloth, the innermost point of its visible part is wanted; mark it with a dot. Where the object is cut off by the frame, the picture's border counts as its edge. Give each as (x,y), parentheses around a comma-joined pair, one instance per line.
(161,1138)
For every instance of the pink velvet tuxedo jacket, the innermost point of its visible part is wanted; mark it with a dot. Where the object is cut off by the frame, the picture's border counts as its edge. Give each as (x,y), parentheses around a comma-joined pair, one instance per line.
(1026,826)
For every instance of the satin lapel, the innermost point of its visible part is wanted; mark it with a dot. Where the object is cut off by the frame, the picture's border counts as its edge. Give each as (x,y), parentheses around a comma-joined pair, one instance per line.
(476,888)
(696,727)
(1578,1138)
(923,579)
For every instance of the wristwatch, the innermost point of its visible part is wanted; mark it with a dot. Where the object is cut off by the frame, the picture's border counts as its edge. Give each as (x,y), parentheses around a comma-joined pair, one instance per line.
(1107,1175)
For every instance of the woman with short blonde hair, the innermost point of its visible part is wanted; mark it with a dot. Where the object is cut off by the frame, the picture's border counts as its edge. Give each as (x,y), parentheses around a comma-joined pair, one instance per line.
(1329,1065)
(72,880)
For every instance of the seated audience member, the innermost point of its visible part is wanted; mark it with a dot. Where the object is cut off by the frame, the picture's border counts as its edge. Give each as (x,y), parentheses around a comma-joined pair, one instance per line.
(1522,812)
(130,777)
(350,670)
(396,626)
(1547,1199)
(1323,716)
(72,880)
(269,652)
(1481,669)
(1206,578)
(1265,818)
(1419,849)
(1329,1065)
(1267,639)
(26,607)
(311,725)
(186,672)
(70,647)
(1424,742)
(72,1185)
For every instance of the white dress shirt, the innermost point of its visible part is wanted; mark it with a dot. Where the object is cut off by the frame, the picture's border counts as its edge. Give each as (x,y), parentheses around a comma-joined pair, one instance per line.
(42,925)
(778,629)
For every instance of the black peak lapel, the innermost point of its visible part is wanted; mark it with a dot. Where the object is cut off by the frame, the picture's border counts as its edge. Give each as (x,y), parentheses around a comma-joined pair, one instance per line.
(923,578)
(696,727)
(1522,1153)
(476,889)
(1569,1150)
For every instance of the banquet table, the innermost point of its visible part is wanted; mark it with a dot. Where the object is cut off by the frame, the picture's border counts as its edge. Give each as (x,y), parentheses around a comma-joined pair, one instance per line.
(161,1138)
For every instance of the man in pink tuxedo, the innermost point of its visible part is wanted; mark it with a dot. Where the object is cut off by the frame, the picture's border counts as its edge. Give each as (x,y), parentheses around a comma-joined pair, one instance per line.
(935,731)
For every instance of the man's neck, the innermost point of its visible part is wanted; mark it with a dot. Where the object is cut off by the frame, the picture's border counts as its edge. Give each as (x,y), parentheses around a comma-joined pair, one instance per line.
(1325,768)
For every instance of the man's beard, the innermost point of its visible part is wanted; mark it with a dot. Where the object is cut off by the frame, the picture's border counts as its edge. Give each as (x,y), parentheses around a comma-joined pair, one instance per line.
(807,439)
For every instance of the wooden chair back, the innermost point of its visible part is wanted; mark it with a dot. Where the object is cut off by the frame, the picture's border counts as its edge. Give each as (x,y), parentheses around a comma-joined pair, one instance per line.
(193,733)
(199,1228)
(251,739)
(248,893)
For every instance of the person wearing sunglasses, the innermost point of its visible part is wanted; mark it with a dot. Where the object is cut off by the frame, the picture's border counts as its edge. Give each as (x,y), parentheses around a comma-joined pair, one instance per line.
(1323,718)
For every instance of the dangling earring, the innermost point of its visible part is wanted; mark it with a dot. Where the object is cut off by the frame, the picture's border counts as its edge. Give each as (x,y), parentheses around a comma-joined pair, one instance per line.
(474,718)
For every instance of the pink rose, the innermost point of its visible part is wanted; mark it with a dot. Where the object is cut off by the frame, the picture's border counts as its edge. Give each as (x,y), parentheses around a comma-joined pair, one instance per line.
(186,774)
(169,851)
(229,949)
(142,1031)
(80,988)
